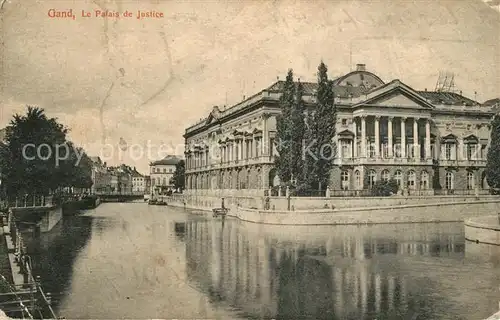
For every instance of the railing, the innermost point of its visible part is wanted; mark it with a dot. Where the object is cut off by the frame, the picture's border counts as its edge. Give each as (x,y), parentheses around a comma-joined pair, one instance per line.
(118,193)
(31,201)
(30,291)
(369,193)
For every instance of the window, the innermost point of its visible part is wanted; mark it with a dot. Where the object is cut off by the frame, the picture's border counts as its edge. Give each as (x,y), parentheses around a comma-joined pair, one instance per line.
(344,178)
(170,170)
(164,181)
(372,177)
(345,149)
(449,180)
(357,177)
(385,150)
(272,147)
(411,179)
(385,175)
(424,180)
(470,180)
(371,150)
(398,176)
(471,151)
(344,122)
(447,151)
(164,170)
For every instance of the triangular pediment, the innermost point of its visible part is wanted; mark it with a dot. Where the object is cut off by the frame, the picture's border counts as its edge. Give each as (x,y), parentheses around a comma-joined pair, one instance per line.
(451,138)
(396,95)
(471,139)
(346,134)
(214,115)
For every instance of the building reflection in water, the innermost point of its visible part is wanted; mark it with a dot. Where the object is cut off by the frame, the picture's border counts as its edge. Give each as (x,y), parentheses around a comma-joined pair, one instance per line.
(335,273)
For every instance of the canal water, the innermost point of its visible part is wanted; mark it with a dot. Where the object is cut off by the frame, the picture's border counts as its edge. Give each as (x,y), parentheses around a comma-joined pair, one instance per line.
(137,261)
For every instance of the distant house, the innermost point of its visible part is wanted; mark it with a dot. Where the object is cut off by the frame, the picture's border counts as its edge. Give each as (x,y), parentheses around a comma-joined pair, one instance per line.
(101,177)
(138,182)
(162,171)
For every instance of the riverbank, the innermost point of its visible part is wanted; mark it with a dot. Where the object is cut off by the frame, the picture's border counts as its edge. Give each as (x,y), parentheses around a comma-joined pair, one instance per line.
(380,211)
(483,230)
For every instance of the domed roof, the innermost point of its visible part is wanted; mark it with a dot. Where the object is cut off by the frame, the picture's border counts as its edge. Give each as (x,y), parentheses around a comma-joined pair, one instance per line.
(359,78)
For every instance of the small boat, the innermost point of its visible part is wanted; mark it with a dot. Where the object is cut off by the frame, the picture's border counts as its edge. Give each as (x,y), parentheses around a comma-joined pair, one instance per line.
(219,212)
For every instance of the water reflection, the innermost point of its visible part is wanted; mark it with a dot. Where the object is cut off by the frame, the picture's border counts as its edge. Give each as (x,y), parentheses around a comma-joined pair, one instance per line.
(348,272)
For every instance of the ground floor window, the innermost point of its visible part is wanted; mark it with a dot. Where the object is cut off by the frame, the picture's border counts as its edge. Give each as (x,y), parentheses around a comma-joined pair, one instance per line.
(449,180)
(357,177)
(344,179)
(385,175)
(372,177)
(411,179)
(470,180)
(398,176)
(424,180)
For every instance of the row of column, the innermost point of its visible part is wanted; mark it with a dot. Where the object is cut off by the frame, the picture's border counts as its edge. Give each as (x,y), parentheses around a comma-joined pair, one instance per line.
(241,149)
(390,137)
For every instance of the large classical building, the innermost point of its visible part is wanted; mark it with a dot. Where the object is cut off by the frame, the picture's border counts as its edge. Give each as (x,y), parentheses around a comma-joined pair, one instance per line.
(425,140)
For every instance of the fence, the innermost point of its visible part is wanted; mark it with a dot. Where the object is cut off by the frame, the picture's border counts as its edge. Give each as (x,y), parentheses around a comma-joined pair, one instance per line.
(32,201)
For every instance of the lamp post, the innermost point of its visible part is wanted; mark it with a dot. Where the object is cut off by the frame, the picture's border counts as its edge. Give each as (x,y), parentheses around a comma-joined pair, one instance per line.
(288,200)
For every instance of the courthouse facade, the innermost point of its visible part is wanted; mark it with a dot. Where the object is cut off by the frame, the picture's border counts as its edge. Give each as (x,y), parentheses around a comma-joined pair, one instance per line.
(425,140)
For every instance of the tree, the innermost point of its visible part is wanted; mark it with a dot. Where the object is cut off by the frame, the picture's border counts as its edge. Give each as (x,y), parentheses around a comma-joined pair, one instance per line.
(178,180)
(493,156)
(284,129)
(29,156)
(37,158)
(297,135)
(321,132)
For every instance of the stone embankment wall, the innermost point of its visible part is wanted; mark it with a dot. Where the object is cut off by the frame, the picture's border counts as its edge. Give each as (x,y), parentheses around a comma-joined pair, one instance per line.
(312,211)
(484,229)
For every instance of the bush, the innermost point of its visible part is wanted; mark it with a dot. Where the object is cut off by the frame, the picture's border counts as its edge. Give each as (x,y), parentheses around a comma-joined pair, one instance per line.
(385,188)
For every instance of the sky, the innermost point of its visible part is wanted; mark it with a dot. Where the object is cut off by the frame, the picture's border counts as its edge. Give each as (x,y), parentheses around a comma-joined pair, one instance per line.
(143,81)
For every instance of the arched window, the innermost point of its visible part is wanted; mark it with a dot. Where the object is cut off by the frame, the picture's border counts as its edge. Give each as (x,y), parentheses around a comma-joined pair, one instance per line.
(385,175)
(357,177)
(344,180)
(424,180)
(470,180)
(398,176)
(411,179)
(164,181)
(449,180)
(372,177)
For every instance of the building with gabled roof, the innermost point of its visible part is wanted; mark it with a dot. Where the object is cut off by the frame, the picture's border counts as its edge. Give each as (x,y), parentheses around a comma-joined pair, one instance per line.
(428,141)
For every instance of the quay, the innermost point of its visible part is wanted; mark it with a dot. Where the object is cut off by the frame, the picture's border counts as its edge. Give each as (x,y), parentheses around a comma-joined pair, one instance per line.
(343,211)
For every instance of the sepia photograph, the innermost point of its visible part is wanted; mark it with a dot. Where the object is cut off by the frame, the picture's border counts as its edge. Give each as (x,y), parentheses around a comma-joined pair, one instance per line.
(250,159)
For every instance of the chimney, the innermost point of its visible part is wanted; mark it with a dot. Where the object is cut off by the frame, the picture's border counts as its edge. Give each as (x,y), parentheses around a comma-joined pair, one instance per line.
(360,67)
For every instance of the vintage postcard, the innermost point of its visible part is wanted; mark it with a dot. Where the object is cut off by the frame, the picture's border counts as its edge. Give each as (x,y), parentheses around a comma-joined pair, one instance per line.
(273,159)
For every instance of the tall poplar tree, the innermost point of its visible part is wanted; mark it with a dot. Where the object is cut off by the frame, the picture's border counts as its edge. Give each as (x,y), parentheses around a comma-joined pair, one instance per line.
(493,156)
(321,132)
(284,129)
(298,130)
